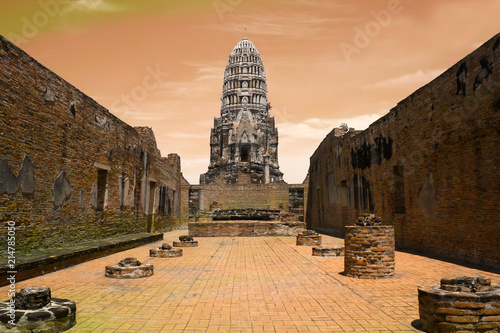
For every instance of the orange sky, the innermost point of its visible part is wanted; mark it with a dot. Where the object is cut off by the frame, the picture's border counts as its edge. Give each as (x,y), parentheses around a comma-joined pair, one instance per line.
(160,63)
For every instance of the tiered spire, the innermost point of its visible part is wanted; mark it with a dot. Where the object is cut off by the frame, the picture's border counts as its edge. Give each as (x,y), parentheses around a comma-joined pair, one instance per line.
(244,140)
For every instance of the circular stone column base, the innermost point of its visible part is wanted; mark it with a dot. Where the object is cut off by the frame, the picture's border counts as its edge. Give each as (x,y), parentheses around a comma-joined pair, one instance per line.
(369,252)
(308,240)
(129,268)
(132,272)
(185,244)
(321,251)
(460,310)
(161,253)
(58,316)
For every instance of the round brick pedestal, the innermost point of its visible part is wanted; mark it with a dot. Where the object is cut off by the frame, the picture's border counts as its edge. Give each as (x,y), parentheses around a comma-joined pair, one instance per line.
(161,253)
(308,238)
(129,268)
(462,304)
(36,311)
(185,244)
(165,251)
(369,252)
(322,251)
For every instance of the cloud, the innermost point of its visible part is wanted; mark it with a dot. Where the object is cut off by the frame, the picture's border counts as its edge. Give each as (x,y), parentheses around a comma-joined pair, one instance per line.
(191,167)
(294,166)
(318,128)
(299,140)
(184,89)
(148,110)
(207,78)
(418,78)
(92,6)
(210,69)
(207,71)
(317,4)
(296,25)
(210,73)
(185,135)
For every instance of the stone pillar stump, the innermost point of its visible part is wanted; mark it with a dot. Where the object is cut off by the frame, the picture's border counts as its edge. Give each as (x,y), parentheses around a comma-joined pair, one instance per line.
(308,238)
(185,241)
(129,268)
(32,309)
(369,252)
(165,251)
(322,251)
(461,304)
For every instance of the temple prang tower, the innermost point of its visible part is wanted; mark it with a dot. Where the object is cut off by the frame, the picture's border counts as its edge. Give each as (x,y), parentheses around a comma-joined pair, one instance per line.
(244,139)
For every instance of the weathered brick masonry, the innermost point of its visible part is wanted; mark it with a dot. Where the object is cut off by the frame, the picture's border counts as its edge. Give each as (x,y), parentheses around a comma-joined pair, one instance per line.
(369,252)
(245,229)
(430,167)
(242,196)
(274,201)
(70,171)
(461,304)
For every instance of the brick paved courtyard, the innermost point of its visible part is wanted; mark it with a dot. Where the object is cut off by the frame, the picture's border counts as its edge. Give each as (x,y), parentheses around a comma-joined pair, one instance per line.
(264,284)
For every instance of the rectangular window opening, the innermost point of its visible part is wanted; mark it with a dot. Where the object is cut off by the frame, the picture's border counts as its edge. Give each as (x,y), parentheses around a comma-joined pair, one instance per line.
(102,176)
(151,199)
(137,197)
(221,145)
(161,199)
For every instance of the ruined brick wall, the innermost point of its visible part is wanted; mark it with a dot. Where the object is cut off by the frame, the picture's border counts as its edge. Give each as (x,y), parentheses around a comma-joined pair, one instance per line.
(429,167)
(184,198)
(86,174)
(258,196)
(305,183)
(245,229)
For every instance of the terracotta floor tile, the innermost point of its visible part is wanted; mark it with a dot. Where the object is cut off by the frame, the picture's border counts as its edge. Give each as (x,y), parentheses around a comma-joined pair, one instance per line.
(264,284)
